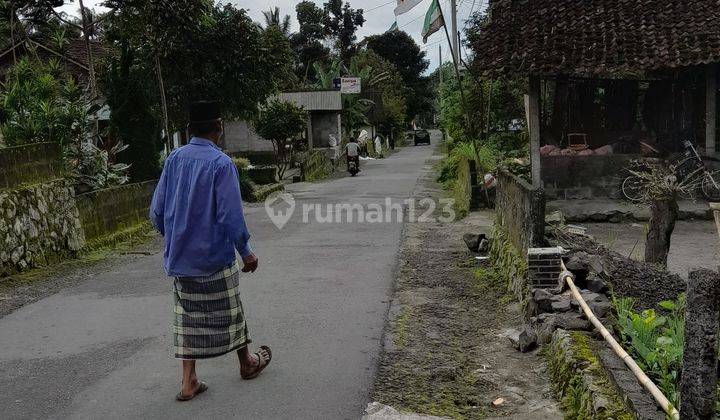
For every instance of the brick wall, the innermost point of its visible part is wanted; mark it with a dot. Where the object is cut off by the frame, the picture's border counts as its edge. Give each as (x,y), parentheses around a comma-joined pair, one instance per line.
(29,164)
(111,210)
(520,208)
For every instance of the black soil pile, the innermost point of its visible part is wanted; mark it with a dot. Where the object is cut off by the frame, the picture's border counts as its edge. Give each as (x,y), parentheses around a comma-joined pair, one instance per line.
(645,283)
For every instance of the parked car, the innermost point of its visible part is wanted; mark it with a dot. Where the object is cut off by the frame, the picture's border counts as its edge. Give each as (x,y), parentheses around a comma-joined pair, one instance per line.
(421,136)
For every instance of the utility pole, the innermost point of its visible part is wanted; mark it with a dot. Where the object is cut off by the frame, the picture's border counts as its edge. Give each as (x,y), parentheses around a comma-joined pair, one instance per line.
(441,63)
(453,20)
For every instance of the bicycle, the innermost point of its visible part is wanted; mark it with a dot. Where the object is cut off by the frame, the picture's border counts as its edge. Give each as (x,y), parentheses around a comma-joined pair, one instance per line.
(689,171)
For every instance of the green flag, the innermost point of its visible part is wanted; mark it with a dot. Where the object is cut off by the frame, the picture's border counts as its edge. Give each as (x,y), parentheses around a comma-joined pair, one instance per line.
(394,27)
(433,21)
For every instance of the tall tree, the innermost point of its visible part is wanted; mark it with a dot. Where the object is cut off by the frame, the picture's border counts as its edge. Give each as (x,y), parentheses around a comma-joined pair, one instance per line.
(400,49)
(307,43)
(341,22)
(272,18)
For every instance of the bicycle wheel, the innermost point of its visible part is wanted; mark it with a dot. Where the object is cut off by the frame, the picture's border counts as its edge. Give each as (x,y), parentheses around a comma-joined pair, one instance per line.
(710,186)
(632,187)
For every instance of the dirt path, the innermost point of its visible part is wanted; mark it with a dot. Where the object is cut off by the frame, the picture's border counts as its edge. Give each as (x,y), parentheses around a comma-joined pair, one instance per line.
(446,352)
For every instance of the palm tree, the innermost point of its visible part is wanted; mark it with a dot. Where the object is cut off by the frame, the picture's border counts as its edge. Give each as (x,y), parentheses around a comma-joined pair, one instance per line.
(272,18)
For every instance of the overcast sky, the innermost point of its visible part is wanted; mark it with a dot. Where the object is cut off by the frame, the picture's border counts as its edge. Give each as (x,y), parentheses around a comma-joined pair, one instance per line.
(378,14)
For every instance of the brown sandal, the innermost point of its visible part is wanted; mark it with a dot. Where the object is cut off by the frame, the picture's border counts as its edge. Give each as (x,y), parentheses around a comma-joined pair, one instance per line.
(202,387)
(264,356)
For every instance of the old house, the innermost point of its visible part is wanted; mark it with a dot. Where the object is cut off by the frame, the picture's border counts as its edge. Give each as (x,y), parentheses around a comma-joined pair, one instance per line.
(608,81)
(324,119)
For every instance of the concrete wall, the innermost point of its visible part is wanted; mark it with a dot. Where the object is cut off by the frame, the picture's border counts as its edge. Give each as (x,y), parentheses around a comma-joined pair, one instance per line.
(240,137)
(578,177)
(111,210)
(29,164)
(323,124)
(521,209)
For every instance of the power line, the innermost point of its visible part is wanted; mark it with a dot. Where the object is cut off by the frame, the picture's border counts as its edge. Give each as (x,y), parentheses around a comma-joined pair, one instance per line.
(431,44)
(378,7)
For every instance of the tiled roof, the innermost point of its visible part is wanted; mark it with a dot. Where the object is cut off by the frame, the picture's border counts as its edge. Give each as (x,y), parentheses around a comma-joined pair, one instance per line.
(597,37)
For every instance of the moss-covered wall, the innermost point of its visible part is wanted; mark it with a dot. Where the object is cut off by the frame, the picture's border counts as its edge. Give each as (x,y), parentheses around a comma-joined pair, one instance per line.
(39,224)
(105,212)
(579,381)
(29,164)
(522,208)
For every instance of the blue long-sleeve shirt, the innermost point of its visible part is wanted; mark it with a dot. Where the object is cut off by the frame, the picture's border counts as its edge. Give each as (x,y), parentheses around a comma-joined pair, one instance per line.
(197,207)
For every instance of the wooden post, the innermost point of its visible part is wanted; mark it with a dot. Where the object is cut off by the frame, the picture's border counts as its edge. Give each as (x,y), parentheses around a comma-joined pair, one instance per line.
(698,386)
(310,132)
(710,110)
(532,111)
(715,207)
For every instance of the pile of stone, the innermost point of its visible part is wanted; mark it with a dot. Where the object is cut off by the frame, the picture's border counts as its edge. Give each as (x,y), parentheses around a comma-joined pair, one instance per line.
(549,309)
(477,242)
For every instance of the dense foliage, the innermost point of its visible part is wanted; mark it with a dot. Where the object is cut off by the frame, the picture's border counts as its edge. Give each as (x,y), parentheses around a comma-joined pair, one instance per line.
(399,49)
(40,102)
(280,122)
(158,56)
(134,120)
(655,341)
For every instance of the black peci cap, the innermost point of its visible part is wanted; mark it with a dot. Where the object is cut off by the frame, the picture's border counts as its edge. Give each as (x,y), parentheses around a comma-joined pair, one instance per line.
(204,111)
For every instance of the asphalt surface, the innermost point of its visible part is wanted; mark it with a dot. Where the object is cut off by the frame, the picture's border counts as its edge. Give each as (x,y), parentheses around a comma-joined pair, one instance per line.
(103,348)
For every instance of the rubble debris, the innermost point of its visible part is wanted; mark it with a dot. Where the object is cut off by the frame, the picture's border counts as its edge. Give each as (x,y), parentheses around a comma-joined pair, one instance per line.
(484,246)
(646,284)
(595,283)
(561,305)
(523,340)
(545,324)
(498,402)
(473,240)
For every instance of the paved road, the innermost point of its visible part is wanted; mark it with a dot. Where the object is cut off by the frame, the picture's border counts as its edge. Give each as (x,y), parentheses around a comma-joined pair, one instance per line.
(102,349)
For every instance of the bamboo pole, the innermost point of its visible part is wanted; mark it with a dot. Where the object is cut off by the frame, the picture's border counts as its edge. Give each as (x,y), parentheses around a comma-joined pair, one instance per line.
(644,380)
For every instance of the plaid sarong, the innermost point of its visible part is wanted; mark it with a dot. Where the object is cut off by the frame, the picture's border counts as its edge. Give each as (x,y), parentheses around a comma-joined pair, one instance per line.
(209,319)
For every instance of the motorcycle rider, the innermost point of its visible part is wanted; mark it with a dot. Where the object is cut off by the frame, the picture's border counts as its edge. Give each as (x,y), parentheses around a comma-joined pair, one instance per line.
(353,153)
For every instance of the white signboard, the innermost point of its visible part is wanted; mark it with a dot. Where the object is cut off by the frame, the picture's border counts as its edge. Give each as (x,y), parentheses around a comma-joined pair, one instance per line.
(350,85)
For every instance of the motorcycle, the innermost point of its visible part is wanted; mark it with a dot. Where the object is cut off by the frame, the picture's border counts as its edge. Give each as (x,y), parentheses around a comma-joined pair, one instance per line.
(353,167)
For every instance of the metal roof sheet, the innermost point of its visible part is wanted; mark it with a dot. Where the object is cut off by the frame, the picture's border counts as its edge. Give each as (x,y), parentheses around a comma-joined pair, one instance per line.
(324,100)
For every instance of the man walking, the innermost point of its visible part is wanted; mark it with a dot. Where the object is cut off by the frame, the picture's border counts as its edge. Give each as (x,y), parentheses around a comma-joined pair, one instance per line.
(197,207)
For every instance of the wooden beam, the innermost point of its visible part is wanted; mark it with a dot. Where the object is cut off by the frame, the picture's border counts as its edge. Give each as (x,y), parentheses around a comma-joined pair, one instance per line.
(532,112)
(710,110)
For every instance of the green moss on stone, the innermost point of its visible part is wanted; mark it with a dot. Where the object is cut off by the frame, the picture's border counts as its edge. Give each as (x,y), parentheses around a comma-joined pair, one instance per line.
(132,234)
(508,261)
(579,380)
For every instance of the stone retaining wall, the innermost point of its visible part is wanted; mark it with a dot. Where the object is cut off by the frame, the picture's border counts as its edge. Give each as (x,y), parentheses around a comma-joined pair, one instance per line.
(39,224)
(29,164)
(520,210)
(579,380)
(108,211)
